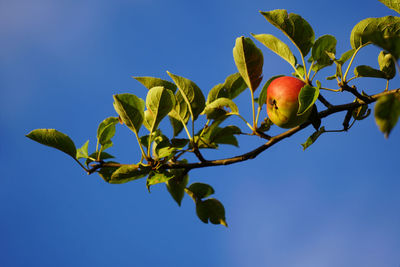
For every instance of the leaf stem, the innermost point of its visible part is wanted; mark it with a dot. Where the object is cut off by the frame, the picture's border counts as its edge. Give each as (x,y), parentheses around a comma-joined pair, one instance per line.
(80,164)
(307,81)
(352,78)
(351,62)
(309,71)
(141,146)
(258,114)
(243,119)
(186,130)
(254,112)
(332,90)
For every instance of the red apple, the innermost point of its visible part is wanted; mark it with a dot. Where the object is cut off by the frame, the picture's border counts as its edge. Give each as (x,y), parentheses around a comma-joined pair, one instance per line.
(283,103)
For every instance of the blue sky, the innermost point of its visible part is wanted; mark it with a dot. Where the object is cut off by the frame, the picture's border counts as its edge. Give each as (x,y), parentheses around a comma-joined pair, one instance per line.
(336,204)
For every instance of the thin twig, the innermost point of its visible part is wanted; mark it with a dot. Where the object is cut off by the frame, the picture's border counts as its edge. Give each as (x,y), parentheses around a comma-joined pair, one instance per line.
(324,101)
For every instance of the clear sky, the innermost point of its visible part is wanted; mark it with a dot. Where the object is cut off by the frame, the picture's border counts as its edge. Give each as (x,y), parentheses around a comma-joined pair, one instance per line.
(335,204)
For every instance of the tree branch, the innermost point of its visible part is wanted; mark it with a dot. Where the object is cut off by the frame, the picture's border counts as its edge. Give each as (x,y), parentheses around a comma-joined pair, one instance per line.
(254,153)
(272,141)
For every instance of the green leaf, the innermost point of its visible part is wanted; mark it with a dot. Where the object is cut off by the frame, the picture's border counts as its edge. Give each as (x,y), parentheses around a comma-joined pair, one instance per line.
(130,109)
(387,64)
(392,4)
(361,112)
(277,46)
(83,151)
(265,125)
(313,138)
(150,82)
(216,108)
(346,56)
(107,172)
(262,99)
(387,112)
(226,135)
(176,124)
(176,185)
(162,147)
(231,88)
(367,71)
(157,177)
(214,135)
(249,61)
(179,143)
(148,120)
(159,103)
(127,173)
(55,139)
(191,94)
(383,32)
(106,130)
(234,85)
(300,72)
(322,47)
(201,190)
(211,210)
(307,97)
(297,29)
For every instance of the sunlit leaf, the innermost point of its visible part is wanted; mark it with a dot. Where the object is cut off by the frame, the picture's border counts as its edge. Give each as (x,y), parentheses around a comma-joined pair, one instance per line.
(190,93)
(157,177)
(127,173)
(300,73)
(106,130)
(107,172)
(346,56)
(387,64)
(307,97)
(231,88)
(249,61)
(321,49)
(277,46)
(162,147)
(367,71)
(176,124)
(82,152)
(310,140)
(130,109)
(150,82)
(294,26)
(159,103)
(387,112)
(211,210)
(220,107)
(392,4)
(179,143)
(55,139)
(383,32)
(176,185)
(201,190)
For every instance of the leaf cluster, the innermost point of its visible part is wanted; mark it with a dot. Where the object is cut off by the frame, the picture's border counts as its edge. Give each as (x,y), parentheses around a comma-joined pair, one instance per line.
(164,159)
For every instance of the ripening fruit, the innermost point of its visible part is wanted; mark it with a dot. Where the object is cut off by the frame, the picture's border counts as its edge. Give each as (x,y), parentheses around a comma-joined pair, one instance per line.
(283,103)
